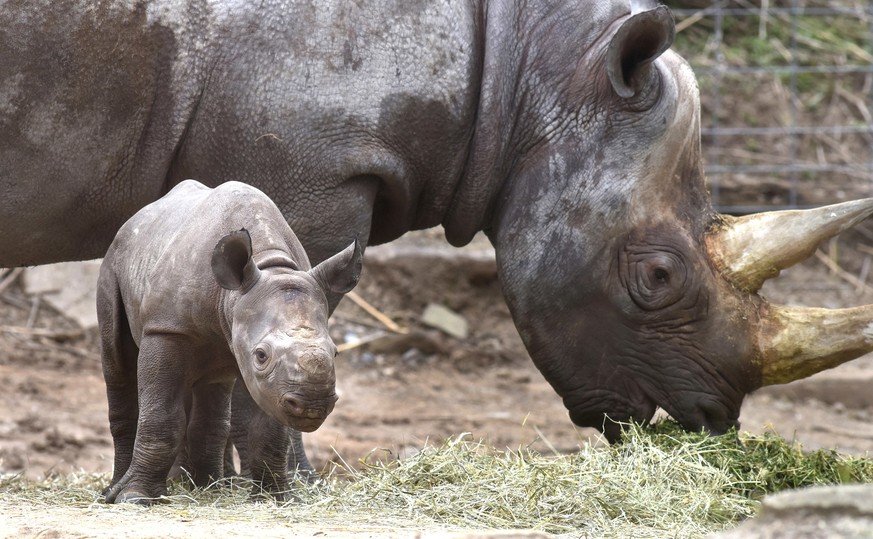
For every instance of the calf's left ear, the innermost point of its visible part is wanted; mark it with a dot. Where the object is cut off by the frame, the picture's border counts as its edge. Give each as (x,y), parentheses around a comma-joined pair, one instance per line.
(340,273)
(232,263)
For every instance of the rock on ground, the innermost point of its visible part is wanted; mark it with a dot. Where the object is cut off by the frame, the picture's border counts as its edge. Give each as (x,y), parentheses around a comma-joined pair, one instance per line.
(811,513)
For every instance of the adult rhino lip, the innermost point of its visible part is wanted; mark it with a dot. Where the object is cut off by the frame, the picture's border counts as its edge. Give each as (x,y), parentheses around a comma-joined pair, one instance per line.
(706,415)
(586,413)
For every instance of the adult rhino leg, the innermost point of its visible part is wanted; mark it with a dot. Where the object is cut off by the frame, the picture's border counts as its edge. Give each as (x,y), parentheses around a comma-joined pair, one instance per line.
(119,357)
(161,426)
(208,432)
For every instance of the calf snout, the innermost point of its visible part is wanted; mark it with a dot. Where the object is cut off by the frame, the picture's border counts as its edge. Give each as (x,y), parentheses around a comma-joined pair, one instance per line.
(304,414)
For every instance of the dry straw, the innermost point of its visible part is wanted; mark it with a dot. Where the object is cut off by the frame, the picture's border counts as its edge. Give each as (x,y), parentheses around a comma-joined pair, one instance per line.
(659,482)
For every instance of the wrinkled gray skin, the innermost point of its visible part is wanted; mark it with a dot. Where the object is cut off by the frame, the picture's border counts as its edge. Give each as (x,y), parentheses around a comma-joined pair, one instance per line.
(198,289)
(561,128)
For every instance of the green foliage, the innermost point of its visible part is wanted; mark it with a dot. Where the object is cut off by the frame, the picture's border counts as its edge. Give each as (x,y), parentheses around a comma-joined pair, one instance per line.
(765,464)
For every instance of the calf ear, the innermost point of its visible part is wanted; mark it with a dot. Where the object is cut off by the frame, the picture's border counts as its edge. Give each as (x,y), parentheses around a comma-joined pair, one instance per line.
(232,263)
(340,273)
(640,39)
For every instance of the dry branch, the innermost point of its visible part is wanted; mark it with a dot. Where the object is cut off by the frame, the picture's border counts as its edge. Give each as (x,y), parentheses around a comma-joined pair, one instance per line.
(346,346)
(376,313)
(841,273)
(865,248)
(44,332)
(10,278)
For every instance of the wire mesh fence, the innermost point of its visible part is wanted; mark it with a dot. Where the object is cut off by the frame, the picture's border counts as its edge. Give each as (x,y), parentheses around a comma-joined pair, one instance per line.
(786,97)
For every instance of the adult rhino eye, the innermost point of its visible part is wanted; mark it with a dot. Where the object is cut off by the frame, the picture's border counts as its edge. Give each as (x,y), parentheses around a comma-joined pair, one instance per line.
(655,279)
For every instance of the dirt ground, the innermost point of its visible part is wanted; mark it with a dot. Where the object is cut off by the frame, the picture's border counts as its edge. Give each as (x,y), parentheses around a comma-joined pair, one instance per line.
(399,391)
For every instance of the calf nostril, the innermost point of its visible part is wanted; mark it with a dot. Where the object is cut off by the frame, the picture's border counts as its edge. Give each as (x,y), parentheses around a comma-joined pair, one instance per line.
(293,405)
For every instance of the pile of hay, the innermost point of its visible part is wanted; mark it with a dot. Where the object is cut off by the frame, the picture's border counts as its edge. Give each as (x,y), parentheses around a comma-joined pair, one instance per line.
(659,482)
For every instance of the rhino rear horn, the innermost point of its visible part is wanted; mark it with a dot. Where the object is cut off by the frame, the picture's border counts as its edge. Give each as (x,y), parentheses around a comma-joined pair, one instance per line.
(232,263)
(643,37)
(340,273)
(749,250)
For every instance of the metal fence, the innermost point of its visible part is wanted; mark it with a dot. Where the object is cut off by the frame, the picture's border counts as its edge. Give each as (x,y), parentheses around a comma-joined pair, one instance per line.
(786,98)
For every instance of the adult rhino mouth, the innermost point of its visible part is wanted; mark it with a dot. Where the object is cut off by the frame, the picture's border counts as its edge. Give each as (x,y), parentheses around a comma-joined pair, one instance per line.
(693,410)
(705,413)
(791,342)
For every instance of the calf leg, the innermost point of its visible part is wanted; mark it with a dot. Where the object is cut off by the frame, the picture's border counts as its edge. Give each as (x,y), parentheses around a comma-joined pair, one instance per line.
(268,455)
(119,355)
(298,464)
(242,409)
(208,432)
(229,469)
(162,420)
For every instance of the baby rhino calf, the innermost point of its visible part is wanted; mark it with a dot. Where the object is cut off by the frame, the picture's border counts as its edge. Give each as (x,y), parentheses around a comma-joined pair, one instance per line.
(199,288)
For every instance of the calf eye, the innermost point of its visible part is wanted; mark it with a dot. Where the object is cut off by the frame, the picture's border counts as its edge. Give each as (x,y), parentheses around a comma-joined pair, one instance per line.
(261,356)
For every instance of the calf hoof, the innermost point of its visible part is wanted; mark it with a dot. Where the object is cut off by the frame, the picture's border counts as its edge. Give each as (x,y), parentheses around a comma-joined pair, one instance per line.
(133,496)
(123,492)
(260,496)
(305,476)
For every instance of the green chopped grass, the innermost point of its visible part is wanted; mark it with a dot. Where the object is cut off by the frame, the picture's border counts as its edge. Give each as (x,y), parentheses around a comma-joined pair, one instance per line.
(659,482)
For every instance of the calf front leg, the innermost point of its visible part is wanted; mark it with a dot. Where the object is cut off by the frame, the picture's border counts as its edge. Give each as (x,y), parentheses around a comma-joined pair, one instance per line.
(161,424)
(208,432)
(243,408)
(268,455)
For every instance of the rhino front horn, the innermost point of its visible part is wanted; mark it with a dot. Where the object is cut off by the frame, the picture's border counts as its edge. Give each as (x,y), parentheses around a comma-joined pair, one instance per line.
(796,342)
(751,249)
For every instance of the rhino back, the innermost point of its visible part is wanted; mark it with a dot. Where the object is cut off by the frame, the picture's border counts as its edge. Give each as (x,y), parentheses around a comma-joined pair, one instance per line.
(162,256)
(316,98)
(94,97)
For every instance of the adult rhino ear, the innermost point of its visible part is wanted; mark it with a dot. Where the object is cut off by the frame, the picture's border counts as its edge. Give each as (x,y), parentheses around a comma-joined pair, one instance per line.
(232,263)
(340,273)
(644,36)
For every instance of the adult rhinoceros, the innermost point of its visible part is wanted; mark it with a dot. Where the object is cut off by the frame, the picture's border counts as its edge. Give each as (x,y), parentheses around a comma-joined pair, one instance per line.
(564,129)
